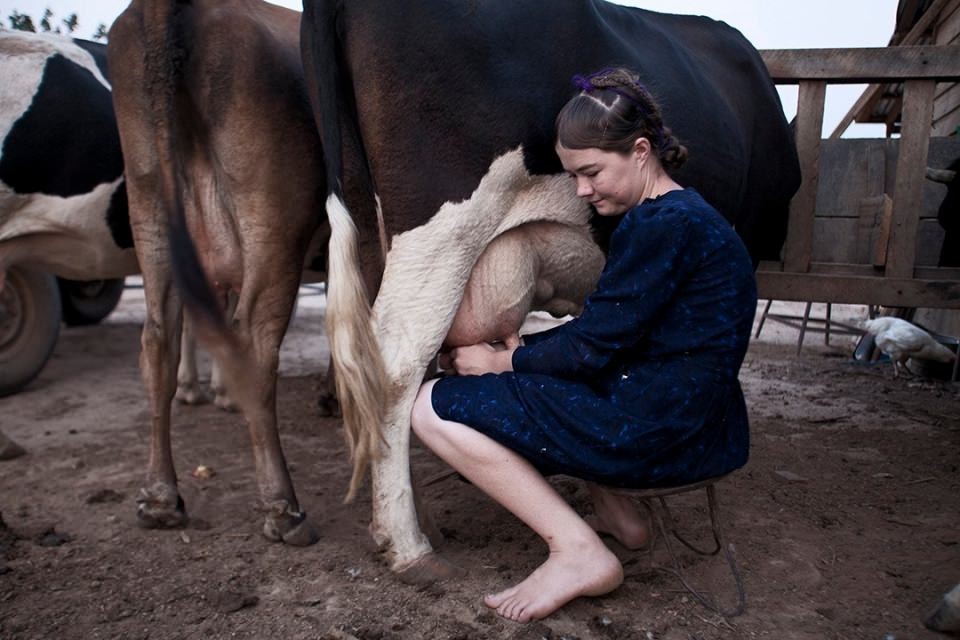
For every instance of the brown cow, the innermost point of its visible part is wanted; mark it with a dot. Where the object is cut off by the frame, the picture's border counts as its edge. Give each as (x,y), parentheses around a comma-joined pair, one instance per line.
(218,142)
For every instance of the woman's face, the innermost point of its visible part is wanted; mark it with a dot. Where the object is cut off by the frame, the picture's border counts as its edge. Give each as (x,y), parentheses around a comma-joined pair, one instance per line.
(612,182)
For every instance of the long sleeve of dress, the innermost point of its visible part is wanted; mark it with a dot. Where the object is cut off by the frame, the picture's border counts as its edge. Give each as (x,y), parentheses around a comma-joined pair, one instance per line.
(647,261)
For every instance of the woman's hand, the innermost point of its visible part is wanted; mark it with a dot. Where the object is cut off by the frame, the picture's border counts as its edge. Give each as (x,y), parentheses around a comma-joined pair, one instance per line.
(483,357)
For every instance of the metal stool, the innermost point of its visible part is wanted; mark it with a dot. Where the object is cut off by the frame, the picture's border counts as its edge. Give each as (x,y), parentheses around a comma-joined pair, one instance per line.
(665,525)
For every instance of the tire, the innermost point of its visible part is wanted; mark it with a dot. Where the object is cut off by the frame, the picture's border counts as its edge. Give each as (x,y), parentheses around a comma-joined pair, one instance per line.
(90,302)
(29,325)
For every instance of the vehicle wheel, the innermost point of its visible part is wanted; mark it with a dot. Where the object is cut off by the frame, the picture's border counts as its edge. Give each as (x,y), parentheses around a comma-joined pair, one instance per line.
(29,326)
(88,302)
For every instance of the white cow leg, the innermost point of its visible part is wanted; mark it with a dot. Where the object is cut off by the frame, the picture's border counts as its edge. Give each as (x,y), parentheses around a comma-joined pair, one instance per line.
(188,380)
(395,527)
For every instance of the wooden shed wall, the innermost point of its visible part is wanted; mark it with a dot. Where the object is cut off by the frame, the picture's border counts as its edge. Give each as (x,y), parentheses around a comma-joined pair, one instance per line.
(946,105)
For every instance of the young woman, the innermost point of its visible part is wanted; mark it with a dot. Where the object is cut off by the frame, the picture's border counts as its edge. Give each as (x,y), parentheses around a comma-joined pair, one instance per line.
(640,390)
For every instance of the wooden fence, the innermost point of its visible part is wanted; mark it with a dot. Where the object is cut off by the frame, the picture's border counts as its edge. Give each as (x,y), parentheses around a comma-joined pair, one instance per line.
(889,273)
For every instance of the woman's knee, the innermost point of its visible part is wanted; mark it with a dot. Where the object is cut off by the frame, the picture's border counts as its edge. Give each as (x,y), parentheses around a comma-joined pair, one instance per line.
(423,418)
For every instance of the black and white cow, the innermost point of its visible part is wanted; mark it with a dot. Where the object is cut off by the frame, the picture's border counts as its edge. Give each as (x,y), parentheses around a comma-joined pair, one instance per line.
(447,109)
(63,205)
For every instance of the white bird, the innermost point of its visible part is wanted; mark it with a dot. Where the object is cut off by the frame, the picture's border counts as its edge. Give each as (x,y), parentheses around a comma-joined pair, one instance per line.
(902,340)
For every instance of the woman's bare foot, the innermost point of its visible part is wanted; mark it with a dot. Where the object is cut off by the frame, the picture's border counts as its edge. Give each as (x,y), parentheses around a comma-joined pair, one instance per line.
(619,517)
(589,571)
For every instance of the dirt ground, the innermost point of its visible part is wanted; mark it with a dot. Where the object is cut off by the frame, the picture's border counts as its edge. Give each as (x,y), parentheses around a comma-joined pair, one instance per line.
(846,521)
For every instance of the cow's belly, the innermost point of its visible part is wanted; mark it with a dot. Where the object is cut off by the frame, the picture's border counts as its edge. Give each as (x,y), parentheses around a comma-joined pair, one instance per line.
(543,266)
(68,237)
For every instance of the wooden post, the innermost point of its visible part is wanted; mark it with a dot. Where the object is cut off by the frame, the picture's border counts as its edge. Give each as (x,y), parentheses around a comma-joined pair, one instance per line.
(809,124)
(908,184)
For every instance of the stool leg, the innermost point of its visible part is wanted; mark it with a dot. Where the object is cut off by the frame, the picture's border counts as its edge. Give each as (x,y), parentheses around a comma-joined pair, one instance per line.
(826,327)
(677,570)
(803,326)
(717,526)
(763,318)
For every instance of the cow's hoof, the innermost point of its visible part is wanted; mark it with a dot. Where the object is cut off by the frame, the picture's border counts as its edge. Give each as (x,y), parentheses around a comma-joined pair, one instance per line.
(158,512)
(429,569)
(945,618)
(224,402)
(293,529)
(192,395)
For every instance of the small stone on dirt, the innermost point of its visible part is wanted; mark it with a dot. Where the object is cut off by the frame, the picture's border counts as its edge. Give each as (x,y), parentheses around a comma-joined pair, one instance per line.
(102,496)
(10,449)
(232,601)
(50,538)
(203,472)
(789,476)
(533,631)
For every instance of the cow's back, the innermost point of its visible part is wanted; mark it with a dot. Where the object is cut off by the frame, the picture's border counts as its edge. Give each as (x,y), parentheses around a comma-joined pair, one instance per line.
(446,87)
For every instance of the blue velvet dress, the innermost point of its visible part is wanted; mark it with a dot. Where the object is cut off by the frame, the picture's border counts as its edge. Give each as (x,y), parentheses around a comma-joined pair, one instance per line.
(641,389)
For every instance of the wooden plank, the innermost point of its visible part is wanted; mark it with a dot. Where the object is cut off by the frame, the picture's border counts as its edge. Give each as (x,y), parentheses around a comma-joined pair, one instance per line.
(843,289)
(834,239)
(929,242)
(946,99)
(867,65)
(908,184)
(867,221)
(881,238)
(808,126)
(948,26)
(865,270)
(949,125)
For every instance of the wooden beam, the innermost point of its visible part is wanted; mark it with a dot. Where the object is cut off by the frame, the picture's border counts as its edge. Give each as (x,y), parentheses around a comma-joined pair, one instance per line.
(809,123)
(865,270)
(868,65)
(892,292)
(908,184)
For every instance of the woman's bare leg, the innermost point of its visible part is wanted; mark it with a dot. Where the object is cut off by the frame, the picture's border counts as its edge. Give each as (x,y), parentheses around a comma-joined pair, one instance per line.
(618,515)
(579,563)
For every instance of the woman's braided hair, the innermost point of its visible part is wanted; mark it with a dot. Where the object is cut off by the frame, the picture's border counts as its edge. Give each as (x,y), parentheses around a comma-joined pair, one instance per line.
(611,111)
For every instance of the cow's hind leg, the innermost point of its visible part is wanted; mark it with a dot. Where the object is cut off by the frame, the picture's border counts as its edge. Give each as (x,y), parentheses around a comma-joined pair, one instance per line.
(250,372)
(159,504)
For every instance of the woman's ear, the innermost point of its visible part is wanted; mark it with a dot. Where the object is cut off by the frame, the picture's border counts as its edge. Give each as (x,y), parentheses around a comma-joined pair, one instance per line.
(641,148)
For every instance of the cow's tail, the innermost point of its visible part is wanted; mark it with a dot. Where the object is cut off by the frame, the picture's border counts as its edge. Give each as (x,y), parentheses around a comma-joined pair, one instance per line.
(167,52)
(360,372)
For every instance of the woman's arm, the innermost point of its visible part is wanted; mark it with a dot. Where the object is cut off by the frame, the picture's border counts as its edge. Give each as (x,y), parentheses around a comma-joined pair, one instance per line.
(649,258)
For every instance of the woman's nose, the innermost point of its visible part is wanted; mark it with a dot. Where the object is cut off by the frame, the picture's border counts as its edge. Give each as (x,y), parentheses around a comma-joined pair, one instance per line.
(584,188)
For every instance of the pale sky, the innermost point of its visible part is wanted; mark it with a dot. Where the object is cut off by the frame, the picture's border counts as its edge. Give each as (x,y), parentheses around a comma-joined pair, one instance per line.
(768,24)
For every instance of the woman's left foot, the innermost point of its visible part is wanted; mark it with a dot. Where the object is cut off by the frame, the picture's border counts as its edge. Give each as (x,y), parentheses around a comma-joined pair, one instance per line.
(618,516)
(564,576)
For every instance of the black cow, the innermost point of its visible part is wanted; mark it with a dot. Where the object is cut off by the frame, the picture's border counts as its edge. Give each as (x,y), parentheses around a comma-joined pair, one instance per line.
(448,108)
(948,215)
